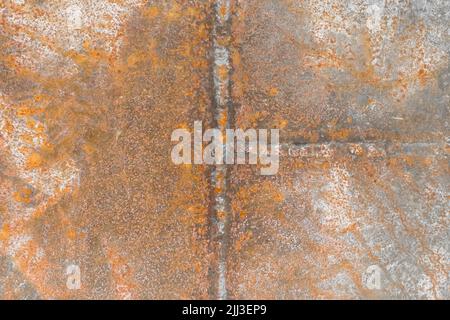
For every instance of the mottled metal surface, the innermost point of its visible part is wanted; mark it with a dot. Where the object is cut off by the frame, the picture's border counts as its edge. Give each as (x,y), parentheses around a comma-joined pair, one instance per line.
(91,90)
(360,90)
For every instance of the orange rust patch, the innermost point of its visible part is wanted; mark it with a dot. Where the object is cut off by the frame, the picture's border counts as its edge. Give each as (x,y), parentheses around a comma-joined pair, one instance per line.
(152,12)
(273,92)
(5,232)
(34,161)
(24,195)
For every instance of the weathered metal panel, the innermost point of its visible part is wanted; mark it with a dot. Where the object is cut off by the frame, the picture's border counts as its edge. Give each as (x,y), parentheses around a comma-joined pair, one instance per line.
(360,92)
(91,91)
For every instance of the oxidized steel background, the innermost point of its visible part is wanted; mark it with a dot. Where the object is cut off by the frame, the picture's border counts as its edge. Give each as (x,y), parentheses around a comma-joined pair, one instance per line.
(91,90)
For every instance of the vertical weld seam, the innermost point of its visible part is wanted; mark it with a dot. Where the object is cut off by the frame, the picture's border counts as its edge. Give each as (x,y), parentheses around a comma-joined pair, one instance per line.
(222,101)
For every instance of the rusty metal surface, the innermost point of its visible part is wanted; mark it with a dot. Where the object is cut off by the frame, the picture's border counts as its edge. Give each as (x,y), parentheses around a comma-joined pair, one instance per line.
(360,92)
(91,90)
